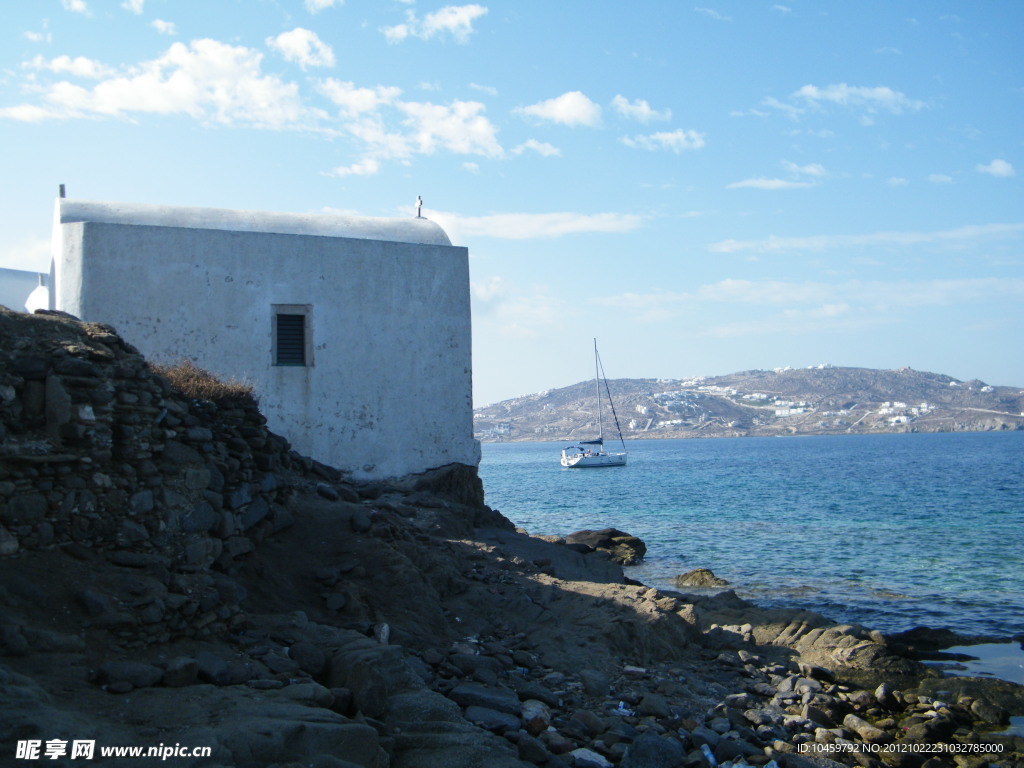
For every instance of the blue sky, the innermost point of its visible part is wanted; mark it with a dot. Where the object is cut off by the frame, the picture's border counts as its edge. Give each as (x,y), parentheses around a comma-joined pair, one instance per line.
(705,187)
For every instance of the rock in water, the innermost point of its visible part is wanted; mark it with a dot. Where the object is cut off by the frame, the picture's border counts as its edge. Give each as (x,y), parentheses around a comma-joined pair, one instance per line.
(699,577)
(622,548)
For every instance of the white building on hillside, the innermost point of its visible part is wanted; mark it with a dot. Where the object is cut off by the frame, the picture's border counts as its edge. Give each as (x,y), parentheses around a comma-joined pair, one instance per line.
(354,331)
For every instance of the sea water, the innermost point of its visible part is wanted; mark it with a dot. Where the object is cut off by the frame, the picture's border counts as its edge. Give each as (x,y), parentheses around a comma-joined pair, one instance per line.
(889,531)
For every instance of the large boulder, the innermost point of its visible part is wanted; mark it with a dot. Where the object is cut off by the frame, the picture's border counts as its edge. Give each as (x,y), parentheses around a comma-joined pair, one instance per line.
(621,547)
(699,577)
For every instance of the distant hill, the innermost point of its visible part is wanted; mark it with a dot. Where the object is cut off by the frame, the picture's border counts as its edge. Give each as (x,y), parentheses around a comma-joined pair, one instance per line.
(784,401)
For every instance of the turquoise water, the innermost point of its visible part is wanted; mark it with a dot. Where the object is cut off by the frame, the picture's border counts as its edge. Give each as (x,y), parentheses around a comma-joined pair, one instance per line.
(889,531)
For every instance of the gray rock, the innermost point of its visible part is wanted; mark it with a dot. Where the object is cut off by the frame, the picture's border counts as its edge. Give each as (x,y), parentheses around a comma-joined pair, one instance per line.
(140,502)
(536,716)
(181,671)
(8,542)
(475,694)
(704,735)
(492,719)
(653,704)
(96,603)
(588,758)
(291,730)
(868,732)
(239,497)
(620,546)
(730,749)
(197,478)
(328,492)
(886,697)
(595,683)
(650,751)
(532,750)
(216,482)
(213,669)
(592,724)
(336,601)
(179,453)
(25,508)
(531,689)
(58,405)
(310,659)
(989,713)
(699,577)
(360,522)
(133,532)
(200,519)
(254,513)
(135,673)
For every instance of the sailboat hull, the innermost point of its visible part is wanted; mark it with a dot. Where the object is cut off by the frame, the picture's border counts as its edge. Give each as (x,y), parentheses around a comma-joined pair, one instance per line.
(594,460)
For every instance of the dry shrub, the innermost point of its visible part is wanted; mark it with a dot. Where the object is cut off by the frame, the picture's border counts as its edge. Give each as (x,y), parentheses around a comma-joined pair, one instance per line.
(195,383)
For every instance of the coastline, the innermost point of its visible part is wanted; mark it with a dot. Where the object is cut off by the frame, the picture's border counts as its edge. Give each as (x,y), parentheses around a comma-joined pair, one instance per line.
(832,525)
(174,574)
(462,641)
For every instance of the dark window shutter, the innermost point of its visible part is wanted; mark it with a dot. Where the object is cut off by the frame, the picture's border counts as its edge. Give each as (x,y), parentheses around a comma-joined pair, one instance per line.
(291,340)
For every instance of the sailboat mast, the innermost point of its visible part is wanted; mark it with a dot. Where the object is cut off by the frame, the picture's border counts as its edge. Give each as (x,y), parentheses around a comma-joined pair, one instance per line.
(597,391)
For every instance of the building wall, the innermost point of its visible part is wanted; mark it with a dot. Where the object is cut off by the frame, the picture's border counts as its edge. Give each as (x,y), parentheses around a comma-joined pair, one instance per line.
(15,287)
(389,391)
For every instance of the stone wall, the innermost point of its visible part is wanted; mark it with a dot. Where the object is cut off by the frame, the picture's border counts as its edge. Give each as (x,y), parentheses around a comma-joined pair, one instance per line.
(99,455)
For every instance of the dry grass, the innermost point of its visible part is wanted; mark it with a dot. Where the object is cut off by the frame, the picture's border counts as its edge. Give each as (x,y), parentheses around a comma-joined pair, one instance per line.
(195,383)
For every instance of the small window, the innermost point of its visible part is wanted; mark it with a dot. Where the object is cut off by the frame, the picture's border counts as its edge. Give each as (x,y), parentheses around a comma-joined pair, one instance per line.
(292,335)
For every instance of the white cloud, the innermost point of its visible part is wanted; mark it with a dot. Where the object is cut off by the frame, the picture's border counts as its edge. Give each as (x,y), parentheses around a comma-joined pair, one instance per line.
(896,181)
(471,167)
(812,169)
(135,6)
(206,80)
(529,314)
(871,98)
(354,101)
(490,90)
(304,47)
(456,20)
(902,239)
(540,147)
(458,127)
(571,108)
(770,184)
(676,140)
(639,109)
(163,27)
(315,6)
(997,168)
(75,6)
(528,226)
(489,290)
(418,127)
(365,167)
(712,14)
(77,67)
(38,37)
(782,8)
(793,113)
(940,178)
(792,305)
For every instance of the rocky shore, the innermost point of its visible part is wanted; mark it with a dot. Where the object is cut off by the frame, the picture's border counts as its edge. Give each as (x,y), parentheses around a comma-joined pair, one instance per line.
(173,575)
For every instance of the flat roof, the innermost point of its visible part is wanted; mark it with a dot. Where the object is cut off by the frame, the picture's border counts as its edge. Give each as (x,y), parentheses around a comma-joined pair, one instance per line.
(409,230)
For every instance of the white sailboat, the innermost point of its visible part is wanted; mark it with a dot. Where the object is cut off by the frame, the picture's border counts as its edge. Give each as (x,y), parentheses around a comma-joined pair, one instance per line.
(591,453)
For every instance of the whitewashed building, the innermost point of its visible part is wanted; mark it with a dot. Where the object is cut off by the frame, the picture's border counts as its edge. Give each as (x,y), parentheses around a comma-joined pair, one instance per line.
(355,332)
(19,287)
